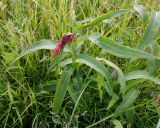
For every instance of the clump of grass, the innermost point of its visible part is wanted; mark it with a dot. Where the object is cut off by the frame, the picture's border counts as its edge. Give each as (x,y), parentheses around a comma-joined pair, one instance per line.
(76,88)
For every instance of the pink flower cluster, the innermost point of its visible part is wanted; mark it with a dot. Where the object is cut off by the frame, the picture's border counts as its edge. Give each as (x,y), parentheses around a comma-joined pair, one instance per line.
(62,42)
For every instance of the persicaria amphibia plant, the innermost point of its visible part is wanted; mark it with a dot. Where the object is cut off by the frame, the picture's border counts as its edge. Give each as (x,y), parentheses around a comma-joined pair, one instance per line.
(69,37)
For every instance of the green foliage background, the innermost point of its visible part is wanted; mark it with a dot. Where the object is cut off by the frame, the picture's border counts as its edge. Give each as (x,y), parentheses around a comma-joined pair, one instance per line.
(77,89)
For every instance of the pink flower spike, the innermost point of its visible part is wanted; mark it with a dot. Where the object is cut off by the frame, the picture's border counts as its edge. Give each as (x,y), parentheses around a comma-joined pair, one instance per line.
(61,43)
(58,48)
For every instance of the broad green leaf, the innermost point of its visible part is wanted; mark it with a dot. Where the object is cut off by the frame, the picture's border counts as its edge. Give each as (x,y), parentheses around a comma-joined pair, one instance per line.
(61,89)
(152,29)
(43,44)
(100,83)
(142,11)
(118,50)
(117,123)
(121,77)
(141,74)
(93,63)
(128,100)
(90,61)
(109,15)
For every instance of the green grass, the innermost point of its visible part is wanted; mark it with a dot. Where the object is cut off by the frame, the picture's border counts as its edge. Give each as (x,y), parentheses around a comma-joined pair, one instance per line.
(34,90)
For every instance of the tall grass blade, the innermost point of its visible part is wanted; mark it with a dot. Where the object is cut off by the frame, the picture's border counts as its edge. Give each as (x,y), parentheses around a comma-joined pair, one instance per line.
(109,15)
(75,90)
(100,83)
(153,63)
(118,50)
(9,91)
(18,114)
(130,114)
(152,29)
(61,89)
(77,102)
(128,100)
(141,74)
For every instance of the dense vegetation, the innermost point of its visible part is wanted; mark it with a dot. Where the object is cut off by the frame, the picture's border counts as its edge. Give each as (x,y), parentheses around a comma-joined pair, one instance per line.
(109,76)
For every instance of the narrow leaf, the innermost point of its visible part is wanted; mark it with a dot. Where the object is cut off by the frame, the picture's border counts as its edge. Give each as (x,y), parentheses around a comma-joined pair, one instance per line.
(128,100)
(75,89)
(93,63)
(121,77)
(109,15)
(43,44)
(61,89)
(9,91)
(19,116)
(78,85)
(77,102)
(118,50)
(117,123)
(89,19)
(141,74)
(130,115)
(141,10)
(72,93)
(112,101)
(100,83)
(152,29)
(66,62)
(153,63)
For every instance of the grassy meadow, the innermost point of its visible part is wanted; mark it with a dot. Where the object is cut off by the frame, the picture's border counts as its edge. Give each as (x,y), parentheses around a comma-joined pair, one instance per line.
(108,77)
